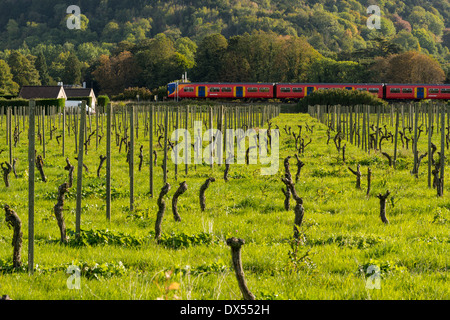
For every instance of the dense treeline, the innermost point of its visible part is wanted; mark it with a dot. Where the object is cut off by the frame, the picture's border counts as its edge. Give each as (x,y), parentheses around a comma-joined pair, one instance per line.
(149,43)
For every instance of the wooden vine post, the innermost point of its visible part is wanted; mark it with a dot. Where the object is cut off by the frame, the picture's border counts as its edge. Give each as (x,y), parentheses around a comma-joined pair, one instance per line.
(10,135)
(235,244)
(150,132)
(430,156)
(186,143)
(396,137)
(108,162)
(64,133)
(369,179)
(80,169)
(131,158)
(31,159)
(166,131)
(442,155)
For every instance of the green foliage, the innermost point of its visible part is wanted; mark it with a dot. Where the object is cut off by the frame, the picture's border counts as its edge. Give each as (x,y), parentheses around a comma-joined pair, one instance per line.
(23,69)
(339,97)
(72,70)
(386,267)
(215,267)
(7,84)
(182,240)
(89,270)
(14,103)
(106,270)
(103,101)
(132,93)
(102,237)
(59,103)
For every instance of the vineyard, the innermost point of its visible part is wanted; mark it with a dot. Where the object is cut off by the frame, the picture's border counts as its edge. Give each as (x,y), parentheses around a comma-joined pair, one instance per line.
(357,188)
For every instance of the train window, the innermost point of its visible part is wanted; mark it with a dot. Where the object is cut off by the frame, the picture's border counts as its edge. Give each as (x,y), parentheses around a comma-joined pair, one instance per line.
(433,90)
(285,89)
(252,89)
(395,90)
(226,89)
(264,89)
(214,89)
(445,90)
(297,89)
(374,90)
(188,89)
(361,89)
(407,90)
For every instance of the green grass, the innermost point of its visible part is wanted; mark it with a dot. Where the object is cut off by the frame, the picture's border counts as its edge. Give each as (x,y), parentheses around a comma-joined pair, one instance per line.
(342,228)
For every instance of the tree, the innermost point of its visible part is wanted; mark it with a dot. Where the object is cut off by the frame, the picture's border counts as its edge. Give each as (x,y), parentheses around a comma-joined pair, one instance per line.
(446,38)
(209,58)
(408,67)
(158,62)
(7,85)
(406,41)
(23,69)
(327,70)
(72,70)
(41,67)
(425,39)
(116,73)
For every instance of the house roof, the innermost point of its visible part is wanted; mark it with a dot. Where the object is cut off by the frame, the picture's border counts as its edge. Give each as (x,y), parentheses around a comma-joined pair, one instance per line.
(42,92)
(79,92)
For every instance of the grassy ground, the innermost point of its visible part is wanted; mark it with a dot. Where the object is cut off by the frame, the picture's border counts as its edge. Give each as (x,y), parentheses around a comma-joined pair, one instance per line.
(342,232)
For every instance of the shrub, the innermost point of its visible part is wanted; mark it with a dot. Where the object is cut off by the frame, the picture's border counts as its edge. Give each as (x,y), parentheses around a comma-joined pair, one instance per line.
(103,101)
(131,94)
(339,97)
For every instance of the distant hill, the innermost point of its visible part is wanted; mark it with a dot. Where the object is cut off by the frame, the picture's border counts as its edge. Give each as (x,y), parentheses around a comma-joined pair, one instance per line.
(328,24)
(336,29)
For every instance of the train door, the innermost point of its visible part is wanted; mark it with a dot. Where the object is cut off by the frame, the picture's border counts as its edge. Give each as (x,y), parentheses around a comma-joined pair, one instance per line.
(420,93)
(239,92)
(309,90)
(201,93)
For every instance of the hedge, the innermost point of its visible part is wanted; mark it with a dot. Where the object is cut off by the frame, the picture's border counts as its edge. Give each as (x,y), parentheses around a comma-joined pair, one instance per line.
(14,103)
(342,97)
(60,103)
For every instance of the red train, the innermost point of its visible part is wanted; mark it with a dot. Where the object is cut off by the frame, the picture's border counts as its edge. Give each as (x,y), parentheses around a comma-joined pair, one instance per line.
(296,91)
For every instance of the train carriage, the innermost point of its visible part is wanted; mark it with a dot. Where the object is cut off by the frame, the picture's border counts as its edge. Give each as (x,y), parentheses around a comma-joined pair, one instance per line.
(221,90)
(295,91)
(417,91)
